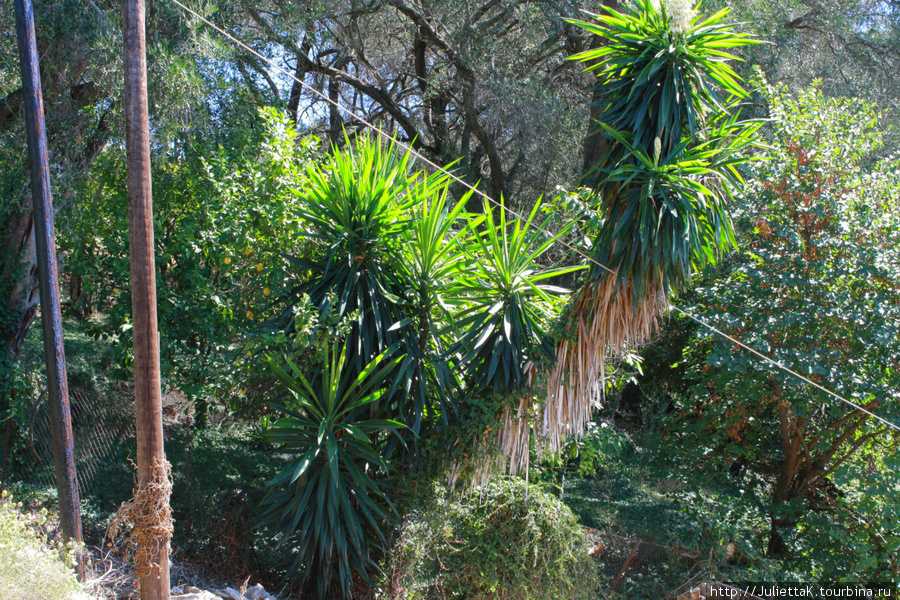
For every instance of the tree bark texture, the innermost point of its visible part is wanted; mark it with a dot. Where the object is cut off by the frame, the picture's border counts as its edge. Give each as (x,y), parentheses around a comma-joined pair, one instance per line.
(154,583)
(45,244)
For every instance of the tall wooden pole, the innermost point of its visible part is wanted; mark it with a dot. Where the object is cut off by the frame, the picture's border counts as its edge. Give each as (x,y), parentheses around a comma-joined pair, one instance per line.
(154,583)
(45,245)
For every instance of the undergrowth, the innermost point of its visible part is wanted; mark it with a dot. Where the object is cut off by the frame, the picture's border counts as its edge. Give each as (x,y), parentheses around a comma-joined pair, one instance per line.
(31,566)
(507,540)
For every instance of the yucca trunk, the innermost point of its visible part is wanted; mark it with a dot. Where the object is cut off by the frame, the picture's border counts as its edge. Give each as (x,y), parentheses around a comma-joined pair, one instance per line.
(606,321)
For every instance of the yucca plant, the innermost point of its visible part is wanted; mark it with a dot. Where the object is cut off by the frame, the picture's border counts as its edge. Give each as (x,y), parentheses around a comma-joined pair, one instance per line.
(664,187)
(506,303)
(331,502)
(663,69)
(432,256)
(359,208)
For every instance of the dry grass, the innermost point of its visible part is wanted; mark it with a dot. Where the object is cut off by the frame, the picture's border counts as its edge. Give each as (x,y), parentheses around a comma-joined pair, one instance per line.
(34,563)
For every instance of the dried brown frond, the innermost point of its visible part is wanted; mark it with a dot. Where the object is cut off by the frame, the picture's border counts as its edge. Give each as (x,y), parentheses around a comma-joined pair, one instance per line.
(607,320)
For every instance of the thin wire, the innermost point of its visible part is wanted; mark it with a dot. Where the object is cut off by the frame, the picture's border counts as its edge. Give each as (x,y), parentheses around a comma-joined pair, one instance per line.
(783,367)
(414,152)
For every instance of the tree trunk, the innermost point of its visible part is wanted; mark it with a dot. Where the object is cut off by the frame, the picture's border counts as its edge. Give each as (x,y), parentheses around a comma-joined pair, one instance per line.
(153,471)
(596,144)
(335,122)
(792,430)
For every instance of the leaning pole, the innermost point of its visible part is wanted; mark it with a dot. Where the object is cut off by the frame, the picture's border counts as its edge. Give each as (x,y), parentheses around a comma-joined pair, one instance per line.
(151,512)
(45,245)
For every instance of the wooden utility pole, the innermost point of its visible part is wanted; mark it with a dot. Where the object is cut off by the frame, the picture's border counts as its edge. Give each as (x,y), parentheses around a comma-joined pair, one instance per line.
(154,578)
(45,246)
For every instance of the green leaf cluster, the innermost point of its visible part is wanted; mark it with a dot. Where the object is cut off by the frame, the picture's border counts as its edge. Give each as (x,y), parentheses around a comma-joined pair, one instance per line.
(330,495)
(464,295)
(461,302)
(508,541)
(669,111)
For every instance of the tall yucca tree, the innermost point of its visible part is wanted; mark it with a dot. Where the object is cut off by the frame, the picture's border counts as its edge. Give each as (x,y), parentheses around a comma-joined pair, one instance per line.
(385,246)
(504,301)
(664,187)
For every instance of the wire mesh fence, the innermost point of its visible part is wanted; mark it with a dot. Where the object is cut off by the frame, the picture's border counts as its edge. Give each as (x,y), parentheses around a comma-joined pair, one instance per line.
(96,426)
(99,425)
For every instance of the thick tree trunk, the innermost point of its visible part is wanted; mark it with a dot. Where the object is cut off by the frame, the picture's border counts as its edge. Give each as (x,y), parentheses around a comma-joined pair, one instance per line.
(790,475)
(595,145)
(335,122)
(153,472)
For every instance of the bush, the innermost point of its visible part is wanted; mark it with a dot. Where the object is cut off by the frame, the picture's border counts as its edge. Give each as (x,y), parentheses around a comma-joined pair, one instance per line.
(29,568)
(508,541)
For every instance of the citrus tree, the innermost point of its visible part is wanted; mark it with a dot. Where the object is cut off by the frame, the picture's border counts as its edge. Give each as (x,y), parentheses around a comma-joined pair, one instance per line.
(222,218)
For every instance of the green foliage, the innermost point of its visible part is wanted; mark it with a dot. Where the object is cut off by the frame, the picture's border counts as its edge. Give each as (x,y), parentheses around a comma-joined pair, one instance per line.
(221,220)
(356,207)
(507,302)
(587,453)
(685,513)
(672,213)
(432,256)
(507,541)
(219,477)
(816,288)
(662,83)
(30,567)
(676,141)
(330,501)
(463,295)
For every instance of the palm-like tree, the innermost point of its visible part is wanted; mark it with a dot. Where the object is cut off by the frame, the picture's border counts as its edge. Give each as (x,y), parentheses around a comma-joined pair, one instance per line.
(506,303)
(664,186)
(328,500)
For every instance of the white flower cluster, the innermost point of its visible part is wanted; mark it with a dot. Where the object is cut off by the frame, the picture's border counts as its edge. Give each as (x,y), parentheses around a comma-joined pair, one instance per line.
(681,13)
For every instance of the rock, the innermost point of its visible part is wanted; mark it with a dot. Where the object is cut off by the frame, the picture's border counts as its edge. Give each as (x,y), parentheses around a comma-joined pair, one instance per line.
(177,590)
(233,594)
(200,595)
(191,590)
(258,592)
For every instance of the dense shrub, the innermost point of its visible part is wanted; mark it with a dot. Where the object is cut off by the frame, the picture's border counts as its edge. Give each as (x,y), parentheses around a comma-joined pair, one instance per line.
(29,568)
(507,541)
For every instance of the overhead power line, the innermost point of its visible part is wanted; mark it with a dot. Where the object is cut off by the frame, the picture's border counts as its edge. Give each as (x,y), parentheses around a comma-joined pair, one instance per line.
(475,190)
